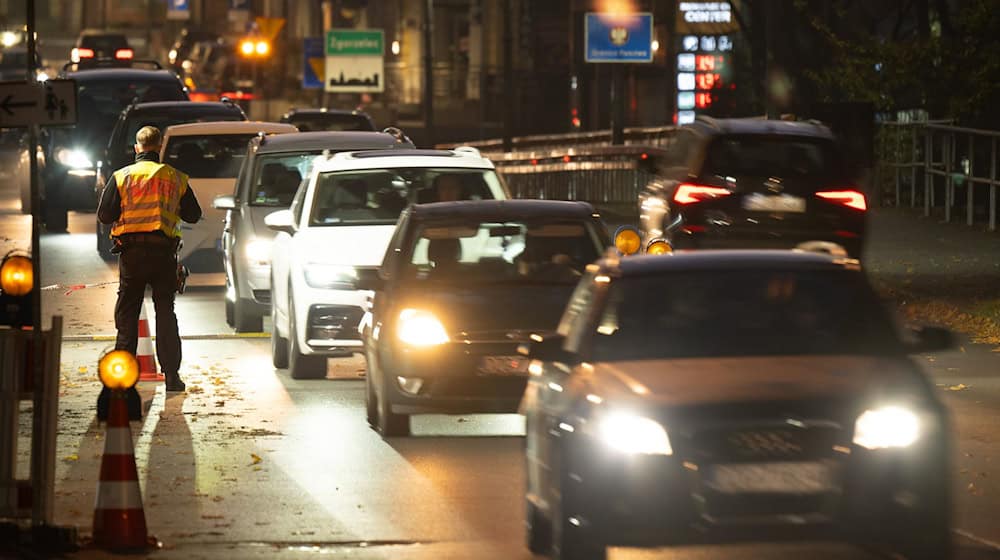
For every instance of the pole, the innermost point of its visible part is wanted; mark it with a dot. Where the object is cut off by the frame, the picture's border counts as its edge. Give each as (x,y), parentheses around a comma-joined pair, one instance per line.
(617,104)
(38,505)
(429,72)
(510,92)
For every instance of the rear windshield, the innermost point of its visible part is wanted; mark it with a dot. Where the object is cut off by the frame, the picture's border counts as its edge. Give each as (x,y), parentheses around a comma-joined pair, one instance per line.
(334,122)
(276,177)
(742,313)
(217,156)
(377,196)
(538,251)
(162,121)
(104,43)
(773,156)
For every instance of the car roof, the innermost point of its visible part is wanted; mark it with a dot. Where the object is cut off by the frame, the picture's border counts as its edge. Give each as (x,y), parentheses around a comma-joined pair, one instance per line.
(199,107)
(228,127)
(99,74)
(501,210)
(308,111)
(323,140)
(762,126)
(722,260)
(463,158)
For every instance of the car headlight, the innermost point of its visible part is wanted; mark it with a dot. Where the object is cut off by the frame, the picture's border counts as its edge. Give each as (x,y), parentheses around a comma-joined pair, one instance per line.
(632,434)
(42,77)
(331,276)
(420,328)
(75,159)
(258,252)
(889,426)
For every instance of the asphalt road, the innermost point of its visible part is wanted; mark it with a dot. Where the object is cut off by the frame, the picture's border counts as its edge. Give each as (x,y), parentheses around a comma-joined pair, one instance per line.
(250,463)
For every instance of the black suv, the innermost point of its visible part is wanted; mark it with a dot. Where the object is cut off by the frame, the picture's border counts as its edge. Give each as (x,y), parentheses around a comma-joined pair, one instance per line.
(93,45)
(71,152)
(161,114)
(307,120)
(754,183)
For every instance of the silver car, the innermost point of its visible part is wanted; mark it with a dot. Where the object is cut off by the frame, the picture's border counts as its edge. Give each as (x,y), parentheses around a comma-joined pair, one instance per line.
(267,182)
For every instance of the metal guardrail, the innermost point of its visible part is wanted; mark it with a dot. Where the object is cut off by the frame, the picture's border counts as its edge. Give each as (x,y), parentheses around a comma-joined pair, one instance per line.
(935,161)
(653,136)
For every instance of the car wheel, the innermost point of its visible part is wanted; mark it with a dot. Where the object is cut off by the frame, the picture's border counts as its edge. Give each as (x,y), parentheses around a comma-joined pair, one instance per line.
(301,366)
(538,529)
(927,535)
(104,243)
(371,399)
(390,423)
(279,345)
(572,540)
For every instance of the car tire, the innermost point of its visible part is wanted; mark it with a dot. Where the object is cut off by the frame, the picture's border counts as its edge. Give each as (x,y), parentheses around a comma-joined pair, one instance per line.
(371,399)
(571,541)
(537,529)
(104,243)
(245,320)
(301,366)
(279,345)
(390,424)
(928,535)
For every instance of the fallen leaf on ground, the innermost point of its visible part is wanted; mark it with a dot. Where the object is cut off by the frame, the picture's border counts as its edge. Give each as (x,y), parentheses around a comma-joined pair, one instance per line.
(256,458)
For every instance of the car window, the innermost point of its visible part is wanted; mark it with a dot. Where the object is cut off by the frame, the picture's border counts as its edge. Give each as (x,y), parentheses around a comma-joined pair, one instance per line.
(276,177)
(334,122)
(208,157)
(773,156)
(377,196)
(742,313)
(103,43)
(539,251)
(162,121)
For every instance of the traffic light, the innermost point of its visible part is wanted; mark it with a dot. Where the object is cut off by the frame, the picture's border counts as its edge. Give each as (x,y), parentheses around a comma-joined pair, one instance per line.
(17,289)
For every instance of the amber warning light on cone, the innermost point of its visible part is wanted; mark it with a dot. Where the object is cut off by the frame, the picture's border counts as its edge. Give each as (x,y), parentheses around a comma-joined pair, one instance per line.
(16,276)
(118,370)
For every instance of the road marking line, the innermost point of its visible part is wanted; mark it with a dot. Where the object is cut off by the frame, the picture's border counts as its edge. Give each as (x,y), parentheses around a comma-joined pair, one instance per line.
(112,338)
(975,539)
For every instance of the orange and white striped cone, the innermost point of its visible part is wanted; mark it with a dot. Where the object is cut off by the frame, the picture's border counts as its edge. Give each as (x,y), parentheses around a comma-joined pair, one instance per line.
(119,520)
(144,350)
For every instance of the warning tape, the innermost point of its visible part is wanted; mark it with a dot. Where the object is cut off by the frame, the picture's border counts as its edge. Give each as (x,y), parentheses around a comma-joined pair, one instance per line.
(70,288)
(218,336)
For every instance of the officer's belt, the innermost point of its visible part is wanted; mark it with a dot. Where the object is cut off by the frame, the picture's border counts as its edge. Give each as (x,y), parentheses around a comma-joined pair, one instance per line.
(153,239)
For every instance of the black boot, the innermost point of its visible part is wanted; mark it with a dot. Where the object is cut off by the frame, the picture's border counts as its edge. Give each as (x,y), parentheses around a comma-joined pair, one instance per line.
(174,383)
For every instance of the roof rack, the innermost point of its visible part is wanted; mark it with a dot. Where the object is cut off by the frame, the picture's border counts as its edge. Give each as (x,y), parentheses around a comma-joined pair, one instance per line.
(467,150)
(105,62)
(398,134)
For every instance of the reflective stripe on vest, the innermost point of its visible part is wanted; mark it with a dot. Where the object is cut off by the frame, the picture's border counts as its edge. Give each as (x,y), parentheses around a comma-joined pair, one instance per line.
(151,198)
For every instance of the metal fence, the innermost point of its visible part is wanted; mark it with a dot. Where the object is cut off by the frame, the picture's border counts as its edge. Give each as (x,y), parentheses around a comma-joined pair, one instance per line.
(940,167)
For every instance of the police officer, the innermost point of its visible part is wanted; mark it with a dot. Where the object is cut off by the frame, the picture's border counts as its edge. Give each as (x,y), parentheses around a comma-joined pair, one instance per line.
(146,202)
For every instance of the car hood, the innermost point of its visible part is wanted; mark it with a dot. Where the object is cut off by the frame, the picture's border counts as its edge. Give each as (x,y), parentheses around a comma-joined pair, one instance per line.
(362,245)
(506,312)
(699,381)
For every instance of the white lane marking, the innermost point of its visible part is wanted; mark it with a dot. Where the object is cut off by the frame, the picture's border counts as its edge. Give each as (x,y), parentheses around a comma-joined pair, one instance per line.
(975,539)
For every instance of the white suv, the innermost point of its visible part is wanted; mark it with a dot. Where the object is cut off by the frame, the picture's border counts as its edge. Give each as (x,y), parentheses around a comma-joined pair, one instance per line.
(338,228)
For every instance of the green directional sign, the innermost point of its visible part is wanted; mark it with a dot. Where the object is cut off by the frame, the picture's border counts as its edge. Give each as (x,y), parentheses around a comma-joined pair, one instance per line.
(354,42)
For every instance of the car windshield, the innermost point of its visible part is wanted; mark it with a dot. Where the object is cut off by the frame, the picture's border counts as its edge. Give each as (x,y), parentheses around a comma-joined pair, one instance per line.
(539,251)
(164,119)
(377,196)
(276,177)
(331,121)
(104,43)
(742,313)
(214,156)
(773,156)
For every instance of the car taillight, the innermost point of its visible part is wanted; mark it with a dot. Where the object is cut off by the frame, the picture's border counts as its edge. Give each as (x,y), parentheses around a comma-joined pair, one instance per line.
(77,53)
(124,54)
(688,193)
(850,198)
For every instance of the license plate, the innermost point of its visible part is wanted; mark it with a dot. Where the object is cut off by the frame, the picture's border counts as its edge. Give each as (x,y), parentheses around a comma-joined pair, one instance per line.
(757,202)
(778,477)
(503,365)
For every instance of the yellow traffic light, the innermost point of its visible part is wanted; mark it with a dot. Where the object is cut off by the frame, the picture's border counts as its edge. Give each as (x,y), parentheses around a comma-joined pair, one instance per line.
(118,370)
(16,275)
(262,48)
(247,47)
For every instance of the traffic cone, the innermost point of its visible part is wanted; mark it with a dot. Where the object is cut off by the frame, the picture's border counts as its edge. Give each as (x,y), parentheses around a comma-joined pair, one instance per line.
(144,351)
(119,521)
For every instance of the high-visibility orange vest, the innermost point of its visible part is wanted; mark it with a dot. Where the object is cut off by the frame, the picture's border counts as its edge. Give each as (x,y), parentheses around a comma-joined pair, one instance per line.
(151,198)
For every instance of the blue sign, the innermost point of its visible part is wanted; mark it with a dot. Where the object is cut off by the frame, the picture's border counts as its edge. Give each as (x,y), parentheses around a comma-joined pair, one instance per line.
(178,9)
(314,61)
(618,37)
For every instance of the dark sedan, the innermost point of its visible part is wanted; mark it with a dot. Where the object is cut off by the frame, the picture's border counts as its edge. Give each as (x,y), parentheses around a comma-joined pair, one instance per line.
(328,119)
(462,285)
(713,396)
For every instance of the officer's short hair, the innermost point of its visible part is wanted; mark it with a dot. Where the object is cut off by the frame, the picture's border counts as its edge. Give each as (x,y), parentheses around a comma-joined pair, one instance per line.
(148,137)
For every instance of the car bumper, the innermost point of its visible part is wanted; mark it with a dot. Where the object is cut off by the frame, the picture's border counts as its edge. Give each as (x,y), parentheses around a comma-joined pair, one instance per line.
(468,378)
(643,500)
(851,242)
(254,287)
(327,320)
(74,188)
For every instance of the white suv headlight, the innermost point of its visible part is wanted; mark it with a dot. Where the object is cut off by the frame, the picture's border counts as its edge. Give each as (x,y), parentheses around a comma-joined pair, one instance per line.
(75,159)
(885,427)
(331,276)
(632,434)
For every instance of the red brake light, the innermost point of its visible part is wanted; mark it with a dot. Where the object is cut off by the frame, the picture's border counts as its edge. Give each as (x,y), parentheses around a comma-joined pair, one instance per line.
(80,52)
(124,53)
(850,198)
(688,193)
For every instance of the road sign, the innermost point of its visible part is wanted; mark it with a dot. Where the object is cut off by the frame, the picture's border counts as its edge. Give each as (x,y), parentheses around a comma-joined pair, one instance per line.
(313,63)
(618,37)
(178,9)
(48,103)
(354,60)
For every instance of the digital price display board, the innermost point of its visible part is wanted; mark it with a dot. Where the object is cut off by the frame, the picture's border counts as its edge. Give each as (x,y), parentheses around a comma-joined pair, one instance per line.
(705,57)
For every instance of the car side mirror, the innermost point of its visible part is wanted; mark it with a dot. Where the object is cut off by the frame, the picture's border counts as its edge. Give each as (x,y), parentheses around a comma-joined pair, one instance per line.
(369,280)
(282,220)
(930,339)
(224,202)
(548,348)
